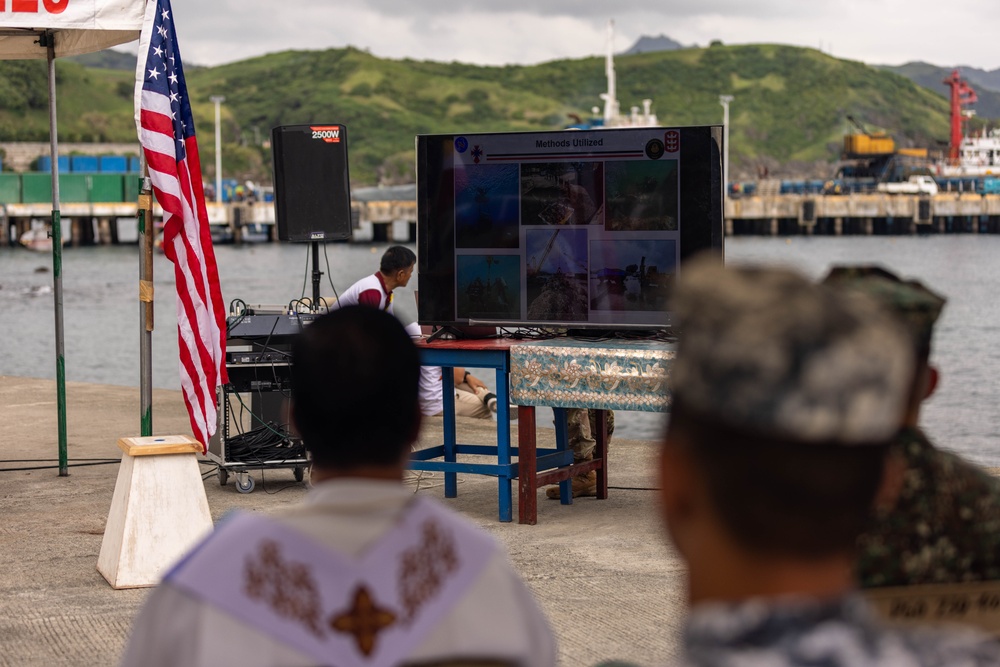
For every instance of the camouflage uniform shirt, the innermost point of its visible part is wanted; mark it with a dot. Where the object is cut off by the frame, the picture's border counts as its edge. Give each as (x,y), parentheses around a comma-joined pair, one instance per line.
(834,633)
(945,527)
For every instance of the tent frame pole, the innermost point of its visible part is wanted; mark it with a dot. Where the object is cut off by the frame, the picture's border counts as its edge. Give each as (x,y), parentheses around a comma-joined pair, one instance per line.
(56,235)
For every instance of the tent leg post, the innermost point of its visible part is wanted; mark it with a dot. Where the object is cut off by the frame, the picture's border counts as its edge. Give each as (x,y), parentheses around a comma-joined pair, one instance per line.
(57,291)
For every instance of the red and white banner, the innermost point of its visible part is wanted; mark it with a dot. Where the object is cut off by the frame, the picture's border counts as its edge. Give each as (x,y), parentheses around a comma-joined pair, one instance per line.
(81,26)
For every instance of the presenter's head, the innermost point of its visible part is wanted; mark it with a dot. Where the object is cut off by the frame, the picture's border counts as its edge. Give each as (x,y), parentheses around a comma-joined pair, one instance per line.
(355,375)
(397,266)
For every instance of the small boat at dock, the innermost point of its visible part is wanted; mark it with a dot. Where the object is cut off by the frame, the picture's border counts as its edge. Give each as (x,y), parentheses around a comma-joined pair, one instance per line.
(38,239)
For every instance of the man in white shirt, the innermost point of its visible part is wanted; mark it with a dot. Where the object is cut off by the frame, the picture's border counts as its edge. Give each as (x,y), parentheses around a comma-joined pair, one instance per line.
(472,397)
(364,572)
(395,270)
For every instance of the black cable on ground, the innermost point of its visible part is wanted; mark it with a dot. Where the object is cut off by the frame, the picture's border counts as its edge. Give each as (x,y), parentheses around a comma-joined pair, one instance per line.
(55,467)
(37,460)
(263,485)
(635,488)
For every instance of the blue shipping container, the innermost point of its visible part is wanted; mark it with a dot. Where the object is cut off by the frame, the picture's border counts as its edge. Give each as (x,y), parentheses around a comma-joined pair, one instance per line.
(45,163)
(113,164)
(991,186)
(83,163)
(133,164)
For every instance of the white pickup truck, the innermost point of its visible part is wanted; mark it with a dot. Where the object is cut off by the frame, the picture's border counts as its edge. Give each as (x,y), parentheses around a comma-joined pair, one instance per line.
(915,185)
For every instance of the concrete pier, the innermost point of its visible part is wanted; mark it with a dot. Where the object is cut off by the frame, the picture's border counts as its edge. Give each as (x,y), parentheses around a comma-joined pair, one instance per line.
(394,221)
(600,569)
(862,214)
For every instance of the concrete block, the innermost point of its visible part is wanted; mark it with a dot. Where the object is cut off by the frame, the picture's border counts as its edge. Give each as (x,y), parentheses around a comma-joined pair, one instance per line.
(158,512)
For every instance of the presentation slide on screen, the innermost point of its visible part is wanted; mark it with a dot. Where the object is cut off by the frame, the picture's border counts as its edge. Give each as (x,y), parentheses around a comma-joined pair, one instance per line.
(571,227)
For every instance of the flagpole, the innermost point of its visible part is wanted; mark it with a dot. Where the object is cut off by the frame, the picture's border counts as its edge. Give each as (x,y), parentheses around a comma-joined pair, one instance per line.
(166,133)
(57,291)
(147,234)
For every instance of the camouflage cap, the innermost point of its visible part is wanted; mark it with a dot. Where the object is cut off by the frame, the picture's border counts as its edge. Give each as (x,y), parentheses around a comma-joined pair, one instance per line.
(918,306)
(769,351)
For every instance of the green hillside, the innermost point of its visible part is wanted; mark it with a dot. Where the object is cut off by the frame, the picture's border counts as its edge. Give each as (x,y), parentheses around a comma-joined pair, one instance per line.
(790,103)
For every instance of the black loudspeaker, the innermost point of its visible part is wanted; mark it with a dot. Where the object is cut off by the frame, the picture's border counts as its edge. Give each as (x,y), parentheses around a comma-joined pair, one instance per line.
(312,192)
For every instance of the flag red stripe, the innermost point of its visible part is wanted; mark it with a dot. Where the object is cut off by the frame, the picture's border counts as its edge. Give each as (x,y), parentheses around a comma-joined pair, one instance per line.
(160,162)
(157,122)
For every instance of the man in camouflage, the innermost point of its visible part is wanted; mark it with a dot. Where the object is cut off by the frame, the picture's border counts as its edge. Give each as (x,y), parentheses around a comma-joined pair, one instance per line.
(581,428)
(945,527)
(786,396)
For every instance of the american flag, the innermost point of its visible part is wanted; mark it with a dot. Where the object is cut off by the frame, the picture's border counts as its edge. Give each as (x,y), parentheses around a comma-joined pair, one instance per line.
(166,133)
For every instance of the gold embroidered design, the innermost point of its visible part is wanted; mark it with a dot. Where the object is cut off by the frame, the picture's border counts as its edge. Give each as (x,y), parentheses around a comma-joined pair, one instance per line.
(287,587)
(424,568)
(365,619)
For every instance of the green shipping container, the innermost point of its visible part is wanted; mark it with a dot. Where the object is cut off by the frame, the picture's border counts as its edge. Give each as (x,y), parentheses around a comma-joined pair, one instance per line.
(74,188)
(10,188)
(106,188)
(132,187)
(37,188)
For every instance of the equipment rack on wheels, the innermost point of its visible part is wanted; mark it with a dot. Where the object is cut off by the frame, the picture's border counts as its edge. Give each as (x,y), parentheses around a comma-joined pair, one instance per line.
(220,449)
(258,362)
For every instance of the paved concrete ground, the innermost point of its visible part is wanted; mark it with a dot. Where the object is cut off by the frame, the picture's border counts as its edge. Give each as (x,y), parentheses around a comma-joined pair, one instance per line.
(600,569)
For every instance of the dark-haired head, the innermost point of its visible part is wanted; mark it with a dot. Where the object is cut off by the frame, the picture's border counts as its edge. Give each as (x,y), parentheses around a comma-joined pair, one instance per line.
(355,380)
(397,258)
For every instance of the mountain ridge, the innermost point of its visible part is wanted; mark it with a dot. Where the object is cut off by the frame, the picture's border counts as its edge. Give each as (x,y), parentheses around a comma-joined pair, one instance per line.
(788,115)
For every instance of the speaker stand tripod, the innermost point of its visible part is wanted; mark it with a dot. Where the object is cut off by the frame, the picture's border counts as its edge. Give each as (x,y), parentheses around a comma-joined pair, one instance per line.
(316,275)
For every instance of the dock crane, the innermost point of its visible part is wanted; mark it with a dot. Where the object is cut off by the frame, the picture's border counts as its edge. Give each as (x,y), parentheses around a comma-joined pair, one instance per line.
(961,95)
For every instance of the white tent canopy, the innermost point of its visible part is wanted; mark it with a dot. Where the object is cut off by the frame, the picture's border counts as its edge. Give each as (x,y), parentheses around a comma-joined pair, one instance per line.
(80,26)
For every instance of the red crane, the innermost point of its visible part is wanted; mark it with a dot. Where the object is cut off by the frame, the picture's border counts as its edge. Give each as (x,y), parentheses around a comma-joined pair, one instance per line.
(961,95)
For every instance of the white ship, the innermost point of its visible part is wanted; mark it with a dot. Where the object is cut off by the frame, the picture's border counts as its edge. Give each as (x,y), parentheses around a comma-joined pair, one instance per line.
(978,156)
(968,156)
(612,116)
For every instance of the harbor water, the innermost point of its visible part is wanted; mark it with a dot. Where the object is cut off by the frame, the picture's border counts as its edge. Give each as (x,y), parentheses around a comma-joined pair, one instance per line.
(102,321)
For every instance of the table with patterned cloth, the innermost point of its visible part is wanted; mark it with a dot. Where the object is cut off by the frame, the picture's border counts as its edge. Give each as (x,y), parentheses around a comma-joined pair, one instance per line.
(570,373)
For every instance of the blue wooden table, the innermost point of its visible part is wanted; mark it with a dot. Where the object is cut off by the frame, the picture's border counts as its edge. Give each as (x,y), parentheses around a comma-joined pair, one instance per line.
(477,353)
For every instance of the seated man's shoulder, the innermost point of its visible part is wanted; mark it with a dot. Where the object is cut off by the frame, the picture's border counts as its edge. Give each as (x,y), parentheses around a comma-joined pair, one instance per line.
(938,472)
(945,527)
(838,633)
(950,645)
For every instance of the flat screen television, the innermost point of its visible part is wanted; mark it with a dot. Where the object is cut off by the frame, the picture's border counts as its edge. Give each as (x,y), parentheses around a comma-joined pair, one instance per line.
(564,229)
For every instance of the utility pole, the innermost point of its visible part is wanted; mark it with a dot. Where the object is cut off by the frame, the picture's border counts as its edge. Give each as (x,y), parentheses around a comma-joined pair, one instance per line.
(218,100)
(724,100)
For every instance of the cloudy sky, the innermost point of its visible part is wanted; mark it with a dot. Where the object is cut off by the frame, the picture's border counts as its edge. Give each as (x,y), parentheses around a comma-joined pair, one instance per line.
(955,32)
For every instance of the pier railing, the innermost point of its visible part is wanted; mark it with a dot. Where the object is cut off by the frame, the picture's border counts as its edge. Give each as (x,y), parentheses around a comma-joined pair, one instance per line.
(395,220)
